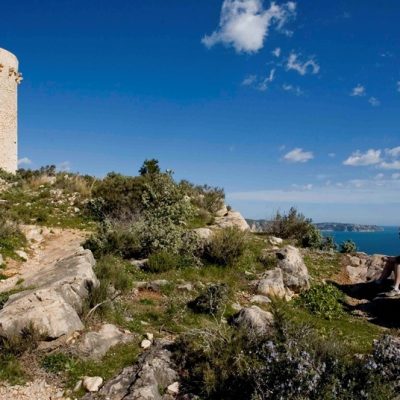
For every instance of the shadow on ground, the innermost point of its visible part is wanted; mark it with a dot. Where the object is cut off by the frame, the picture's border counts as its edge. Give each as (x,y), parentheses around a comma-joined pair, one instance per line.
(371,302)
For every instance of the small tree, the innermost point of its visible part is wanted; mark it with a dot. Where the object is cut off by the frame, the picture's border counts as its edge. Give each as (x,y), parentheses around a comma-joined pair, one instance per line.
(149,167)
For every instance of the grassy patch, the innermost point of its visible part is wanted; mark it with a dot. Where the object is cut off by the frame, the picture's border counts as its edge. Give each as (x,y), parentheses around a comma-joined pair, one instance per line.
(74,368)
(322,266)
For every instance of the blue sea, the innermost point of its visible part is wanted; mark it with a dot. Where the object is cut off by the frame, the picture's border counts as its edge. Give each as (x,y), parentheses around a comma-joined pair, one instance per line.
(385,242)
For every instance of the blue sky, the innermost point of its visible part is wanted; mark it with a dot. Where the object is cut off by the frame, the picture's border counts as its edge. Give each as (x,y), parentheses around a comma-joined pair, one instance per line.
(286,103)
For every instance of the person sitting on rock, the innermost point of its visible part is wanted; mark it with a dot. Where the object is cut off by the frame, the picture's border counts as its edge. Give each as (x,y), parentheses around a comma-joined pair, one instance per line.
(392,265)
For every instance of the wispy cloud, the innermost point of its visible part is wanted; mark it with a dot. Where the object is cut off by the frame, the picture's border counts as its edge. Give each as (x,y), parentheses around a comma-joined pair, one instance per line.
(394,152)
(374,102)
(309,66)
(292,89)
(245,24)
(65,166)
(398,86)
(249,80)
(370,157)
(390,165)
(357,191)
(277,52)
(266,81)
(24,161)
(358,91)
(298,155)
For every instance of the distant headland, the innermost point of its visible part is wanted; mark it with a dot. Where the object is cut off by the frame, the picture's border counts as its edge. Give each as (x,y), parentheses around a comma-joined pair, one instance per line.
(260,225)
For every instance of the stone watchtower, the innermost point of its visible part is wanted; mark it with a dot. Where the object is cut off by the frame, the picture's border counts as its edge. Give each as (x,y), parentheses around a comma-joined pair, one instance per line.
(9,80)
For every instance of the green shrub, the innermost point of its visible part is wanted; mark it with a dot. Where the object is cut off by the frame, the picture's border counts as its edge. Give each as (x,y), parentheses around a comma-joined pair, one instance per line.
(348,246)
(226,246)
(324,300)
(162,261)
(211,300)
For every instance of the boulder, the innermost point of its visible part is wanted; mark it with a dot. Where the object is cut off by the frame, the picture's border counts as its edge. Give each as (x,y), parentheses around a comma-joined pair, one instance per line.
(295,272)
(356,274)
(151,376)
(1,260)
(271,284)
(254,320)
(204,234)
(275,241)
(94,345)
(92,383)
(232,219)
(375,265)
(55,301)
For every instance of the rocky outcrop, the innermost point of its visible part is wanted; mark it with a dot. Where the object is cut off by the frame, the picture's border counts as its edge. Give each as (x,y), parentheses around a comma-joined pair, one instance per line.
(148,379)
(232,219)
(94,345)
(53,299)
(294,271)
(362,268)
(254,320)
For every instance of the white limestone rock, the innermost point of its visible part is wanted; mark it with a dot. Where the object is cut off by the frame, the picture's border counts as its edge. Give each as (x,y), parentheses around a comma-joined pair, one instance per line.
(54,305)
(254,319)
(94,345)
(294,271)
(271,284)
(232,219)
(92,383)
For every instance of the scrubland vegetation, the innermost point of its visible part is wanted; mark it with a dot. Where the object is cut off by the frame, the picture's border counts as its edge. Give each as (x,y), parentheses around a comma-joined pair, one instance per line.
(316,350)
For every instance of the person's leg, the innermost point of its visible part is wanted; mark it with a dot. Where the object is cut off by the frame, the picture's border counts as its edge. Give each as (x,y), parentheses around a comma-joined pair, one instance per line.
(397,277)
(387,270)
(396,286)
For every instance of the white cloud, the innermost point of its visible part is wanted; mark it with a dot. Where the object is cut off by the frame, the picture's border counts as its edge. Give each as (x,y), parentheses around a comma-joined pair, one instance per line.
(390,165)
(298,155)
(374,102)
(358,159)
(24,161)
(265,83)
(302,68)
(358,91)
(309,186)
(249,80)
(277,52)
(245,24)
(394,152)
(292,89)
(332,155)
(379,177)
(396,176)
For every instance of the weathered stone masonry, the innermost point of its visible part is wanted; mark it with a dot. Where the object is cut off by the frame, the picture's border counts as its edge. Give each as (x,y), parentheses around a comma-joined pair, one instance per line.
(9,80)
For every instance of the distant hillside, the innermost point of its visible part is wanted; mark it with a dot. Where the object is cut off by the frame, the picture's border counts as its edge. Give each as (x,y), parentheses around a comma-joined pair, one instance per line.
(260,225)
(342,227)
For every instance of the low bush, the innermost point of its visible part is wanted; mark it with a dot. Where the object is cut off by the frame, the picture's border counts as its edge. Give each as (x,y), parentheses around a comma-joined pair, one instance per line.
(348,246)
(211,300)
(291,362)
(226,246)
(162,261)
(324,300)
(11,238)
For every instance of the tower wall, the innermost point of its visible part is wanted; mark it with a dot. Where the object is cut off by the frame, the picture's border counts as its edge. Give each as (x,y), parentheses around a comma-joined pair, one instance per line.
(9,80)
